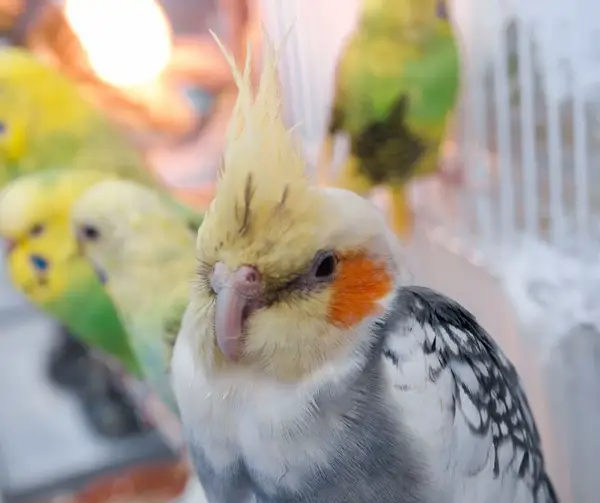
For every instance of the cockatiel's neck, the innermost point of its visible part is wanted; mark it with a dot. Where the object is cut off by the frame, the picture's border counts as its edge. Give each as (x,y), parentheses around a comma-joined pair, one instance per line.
(413,20)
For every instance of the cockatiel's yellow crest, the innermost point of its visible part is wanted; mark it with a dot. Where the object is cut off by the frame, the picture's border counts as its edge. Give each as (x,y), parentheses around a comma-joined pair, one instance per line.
(263,190)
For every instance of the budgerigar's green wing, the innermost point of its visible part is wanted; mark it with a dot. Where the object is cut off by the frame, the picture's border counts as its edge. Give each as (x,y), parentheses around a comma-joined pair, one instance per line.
(153,338)
(88,312)
(374,72)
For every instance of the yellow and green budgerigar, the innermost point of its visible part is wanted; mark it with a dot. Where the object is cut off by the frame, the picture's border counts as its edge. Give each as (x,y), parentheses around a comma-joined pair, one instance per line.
(46,123)
(144,254)
(396,87)
(45,265)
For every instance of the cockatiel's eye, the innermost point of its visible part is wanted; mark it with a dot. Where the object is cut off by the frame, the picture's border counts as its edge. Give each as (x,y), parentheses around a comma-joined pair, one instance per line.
(324,266)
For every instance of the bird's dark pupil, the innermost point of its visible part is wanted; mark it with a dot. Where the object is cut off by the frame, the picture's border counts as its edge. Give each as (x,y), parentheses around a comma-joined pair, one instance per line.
(326,267)
(36,230)
(90,232)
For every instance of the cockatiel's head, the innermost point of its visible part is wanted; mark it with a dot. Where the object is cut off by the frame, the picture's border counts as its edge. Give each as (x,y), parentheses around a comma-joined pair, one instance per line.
(289,275)
(121,224)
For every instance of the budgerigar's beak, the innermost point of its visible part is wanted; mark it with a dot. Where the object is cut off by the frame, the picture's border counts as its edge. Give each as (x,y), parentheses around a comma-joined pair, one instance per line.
(237,295)
(81,252)
(80,249)
(9,246)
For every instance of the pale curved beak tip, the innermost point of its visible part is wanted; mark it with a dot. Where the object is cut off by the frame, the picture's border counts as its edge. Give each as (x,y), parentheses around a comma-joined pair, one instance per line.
(235,291)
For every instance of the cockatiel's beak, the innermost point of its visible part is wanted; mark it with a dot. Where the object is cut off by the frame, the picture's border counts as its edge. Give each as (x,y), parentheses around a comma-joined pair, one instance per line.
(237,293)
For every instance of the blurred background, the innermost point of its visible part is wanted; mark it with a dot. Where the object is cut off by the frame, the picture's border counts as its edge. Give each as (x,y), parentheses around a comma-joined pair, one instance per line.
(515,239)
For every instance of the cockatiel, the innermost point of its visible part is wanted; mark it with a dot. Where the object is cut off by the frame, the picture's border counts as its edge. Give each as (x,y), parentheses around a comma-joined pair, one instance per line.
(304,372)
(44,263)
(45,123)
(396,86)
(144,254)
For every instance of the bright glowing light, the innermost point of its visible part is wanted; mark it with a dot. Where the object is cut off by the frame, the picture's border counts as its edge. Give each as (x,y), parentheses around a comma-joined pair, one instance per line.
(127,42)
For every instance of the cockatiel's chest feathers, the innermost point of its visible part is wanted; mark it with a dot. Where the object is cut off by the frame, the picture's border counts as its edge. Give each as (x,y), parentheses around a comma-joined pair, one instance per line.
(282,451)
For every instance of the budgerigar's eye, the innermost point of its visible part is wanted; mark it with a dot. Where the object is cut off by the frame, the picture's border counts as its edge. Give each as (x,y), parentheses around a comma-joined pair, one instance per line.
(90,233)
(2,128)
(36,230)
(325,265)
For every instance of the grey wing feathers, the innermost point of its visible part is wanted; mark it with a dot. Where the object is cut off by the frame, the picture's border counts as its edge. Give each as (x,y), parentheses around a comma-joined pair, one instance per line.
(456,338)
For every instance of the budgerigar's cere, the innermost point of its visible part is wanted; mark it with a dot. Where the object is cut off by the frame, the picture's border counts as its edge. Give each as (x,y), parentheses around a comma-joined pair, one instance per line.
(45,123)
(303,370)
(396,86)
(45,264)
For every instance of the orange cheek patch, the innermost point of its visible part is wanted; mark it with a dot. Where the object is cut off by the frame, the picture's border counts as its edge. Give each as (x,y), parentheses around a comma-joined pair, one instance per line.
(360,283)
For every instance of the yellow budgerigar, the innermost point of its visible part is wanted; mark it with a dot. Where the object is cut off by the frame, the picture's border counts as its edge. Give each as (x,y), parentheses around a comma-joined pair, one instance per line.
(46,123)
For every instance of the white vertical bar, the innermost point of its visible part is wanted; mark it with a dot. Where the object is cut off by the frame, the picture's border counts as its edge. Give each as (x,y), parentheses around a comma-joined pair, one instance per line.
(580,135)
(290,61)
(300,60)
(556,179)
(528,154)
(503,134)
(477,135)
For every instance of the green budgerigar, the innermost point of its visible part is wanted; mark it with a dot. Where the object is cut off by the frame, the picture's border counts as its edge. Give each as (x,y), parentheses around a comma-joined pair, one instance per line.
(144,254)
(396,87)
